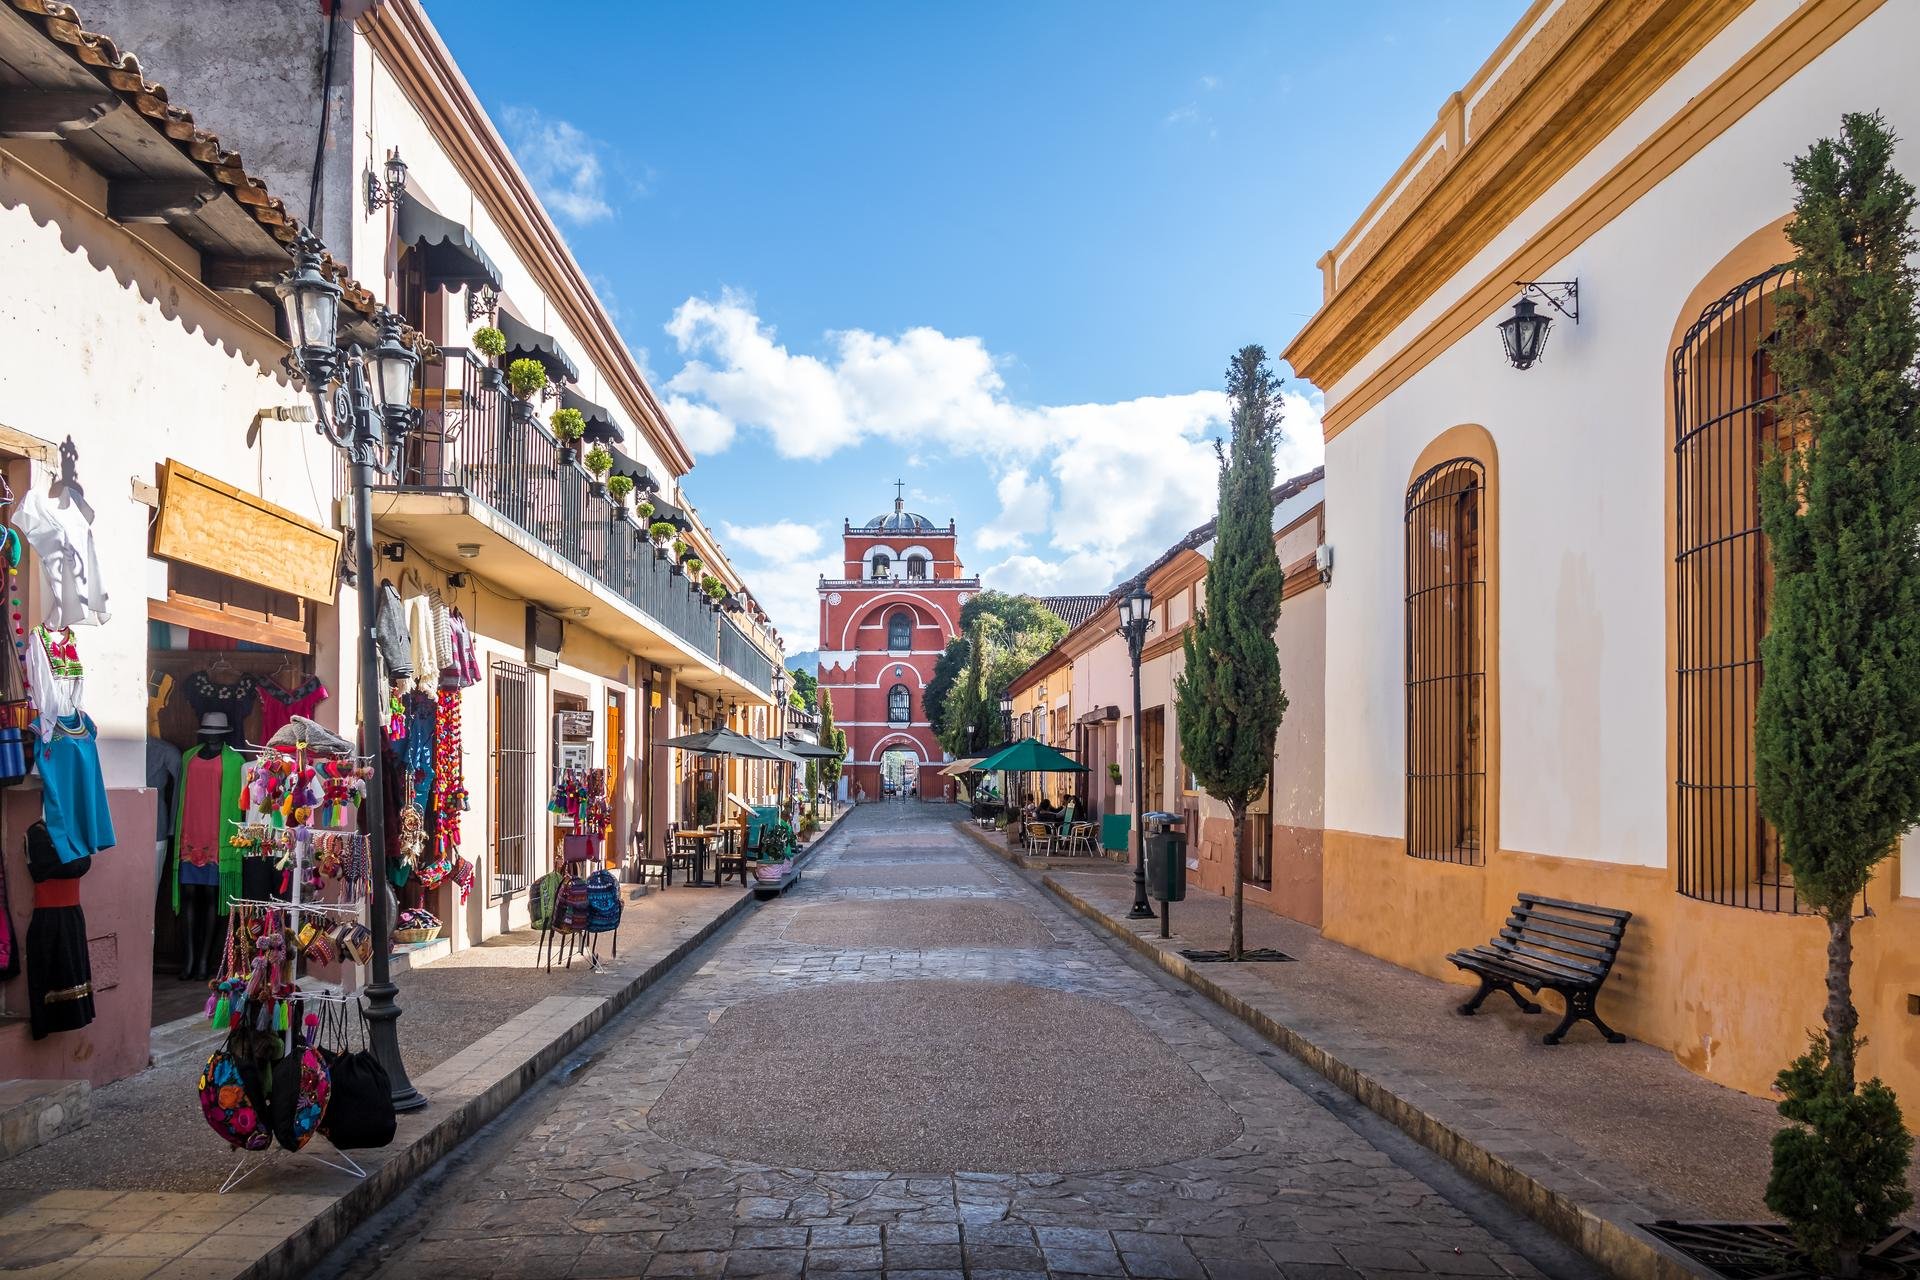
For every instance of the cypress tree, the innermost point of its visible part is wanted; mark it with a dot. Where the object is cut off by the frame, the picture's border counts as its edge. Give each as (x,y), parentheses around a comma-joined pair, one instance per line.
(830,737)
(1229,695)
(1837,733)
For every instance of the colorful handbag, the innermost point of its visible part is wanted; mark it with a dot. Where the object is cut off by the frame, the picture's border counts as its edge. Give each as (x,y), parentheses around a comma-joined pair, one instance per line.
(603,902)
(571,909)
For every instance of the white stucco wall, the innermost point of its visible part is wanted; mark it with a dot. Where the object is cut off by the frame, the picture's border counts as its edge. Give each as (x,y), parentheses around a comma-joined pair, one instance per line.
(137,363)
(1583,451)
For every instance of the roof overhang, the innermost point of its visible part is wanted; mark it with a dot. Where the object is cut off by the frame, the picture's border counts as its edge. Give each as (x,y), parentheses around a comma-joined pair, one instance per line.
(451,257)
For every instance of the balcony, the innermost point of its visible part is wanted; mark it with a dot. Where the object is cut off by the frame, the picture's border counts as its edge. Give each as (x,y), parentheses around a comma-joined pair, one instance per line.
(477,484)
(899,582)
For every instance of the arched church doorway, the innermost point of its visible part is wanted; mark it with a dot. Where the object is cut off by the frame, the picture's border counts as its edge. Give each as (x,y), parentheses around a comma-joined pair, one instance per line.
(899,771)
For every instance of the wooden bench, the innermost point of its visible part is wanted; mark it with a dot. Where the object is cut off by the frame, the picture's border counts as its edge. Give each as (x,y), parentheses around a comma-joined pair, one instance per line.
(1553,945)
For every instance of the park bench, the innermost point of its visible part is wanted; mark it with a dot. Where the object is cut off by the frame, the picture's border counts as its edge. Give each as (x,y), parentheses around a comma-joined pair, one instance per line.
(1549,944)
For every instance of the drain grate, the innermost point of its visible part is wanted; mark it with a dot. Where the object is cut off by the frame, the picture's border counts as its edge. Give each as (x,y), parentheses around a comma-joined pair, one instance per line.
(1766,1251)
(1253,955)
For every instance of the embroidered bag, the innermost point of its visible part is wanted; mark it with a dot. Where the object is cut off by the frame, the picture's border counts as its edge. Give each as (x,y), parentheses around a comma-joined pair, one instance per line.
(16,717)
(542,898)
(603,902)
(570,912)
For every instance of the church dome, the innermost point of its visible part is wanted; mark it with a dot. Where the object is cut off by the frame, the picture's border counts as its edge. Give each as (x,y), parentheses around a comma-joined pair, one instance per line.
(899,521)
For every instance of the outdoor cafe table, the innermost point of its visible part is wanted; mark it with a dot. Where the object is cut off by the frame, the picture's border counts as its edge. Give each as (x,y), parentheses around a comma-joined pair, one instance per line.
(702,837)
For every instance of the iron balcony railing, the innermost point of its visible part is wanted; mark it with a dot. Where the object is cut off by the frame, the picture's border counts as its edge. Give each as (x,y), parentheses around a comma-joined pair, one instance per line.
(469,441)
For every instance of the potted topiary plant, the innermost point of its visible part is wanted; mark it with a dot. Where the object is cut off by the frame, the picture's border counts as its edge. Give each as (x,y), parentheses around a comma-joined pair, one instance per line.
(679,556)
(716,590)
(568,426)
(599,462)
(693,562)
(1113,773)
(492,344)
(643,512)
(662,533)
(619,488)
(525,378)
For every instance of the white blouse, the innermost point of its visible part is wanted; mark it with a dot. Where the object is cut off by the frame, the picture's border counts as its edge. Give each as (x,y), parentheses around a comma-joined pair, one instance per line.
(62,541)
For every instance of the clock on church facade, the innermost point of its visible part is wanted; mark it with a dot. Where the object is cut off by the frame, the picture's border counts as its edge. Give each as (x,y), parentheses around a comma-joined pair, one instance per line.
(883,624)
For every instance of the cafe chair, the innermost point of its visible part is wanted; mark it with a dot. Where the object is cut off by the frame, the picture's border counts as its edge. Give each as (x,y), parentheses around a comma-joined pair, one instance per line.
(1040,838)
(1080,839)
(643,866)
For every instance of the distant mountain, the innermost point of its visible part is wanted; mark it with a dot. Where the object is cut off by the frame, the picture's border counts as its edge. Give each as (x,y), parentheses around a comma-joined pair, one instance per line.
(808,661)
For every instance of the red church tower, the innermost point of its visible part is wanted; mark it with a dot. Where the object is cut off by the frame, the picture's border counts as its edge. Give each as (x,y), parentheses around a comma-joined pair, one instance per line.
(883,624)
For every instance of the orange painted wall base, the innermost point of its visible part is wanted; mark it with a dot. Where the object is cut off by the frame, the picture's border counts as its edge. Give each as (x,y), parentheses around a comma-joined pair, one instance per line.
(1295,889)
(1731,993)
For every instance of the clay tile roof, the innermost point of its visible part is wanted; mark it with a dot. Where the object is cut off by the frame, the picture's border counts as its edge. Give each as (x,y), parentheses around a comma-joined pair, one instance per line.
(120,71)
(1074,610)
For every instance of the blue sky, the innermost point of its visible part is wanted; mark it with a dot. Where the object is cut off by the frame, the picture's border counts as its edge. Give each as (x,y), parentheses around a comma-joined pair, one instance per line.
(1001,251)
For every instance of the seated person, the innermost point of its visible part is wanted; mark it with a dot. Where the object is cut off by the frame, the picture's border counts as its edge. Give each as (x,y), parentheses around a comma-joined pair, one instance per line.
(1047,812)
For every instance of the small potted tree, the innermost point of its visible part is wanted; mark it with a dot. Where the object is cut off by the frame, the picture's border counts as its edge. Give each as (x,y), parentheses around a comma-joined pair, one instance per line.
(619,489)
(599,463)
(716,590)
(568,426)
(662,533)
(525,378)
(679,556)
(693,563)
(492,344)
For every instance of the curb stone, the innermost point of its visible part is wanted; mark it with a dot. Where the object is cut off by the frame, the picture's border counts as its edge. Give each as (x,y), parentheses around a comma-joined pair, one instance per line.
(453,1119)
(1602,1229)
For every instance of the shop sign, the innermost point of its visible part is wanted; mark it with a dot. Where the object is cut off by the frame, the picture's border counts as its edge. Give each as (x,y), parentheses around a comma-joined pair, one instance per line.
(209,523)
(575,724)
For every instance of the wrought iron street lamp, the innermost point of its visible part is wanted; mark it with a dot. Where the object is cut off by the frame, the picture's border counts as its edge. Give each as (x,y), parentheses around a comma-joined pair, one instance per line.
(363,404)
(1524,333)
(1006,717)
(389,192)
(1136,619)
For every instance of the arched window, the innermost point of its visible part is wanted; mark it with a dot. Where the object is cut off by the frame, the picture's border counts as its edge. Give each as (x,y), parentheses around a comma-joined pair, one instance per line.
(900,630)
(916,567)
(1725,422)
(882,566)
(899,705)
(1446,664)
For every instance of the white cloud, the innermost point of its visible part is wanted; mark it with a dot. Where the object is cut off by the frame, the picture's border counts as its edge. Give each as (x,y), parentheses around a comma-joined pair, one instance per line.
(1189,114)
(561,161)
(1107,485)
(1026,502)
(1209,83)
(783,564)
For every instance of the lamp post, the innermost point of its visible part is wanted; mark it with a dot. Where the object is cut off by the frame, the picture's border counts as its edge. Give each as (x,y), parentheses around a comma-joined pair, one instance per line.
(1136,619)
(776,722)
(363,405)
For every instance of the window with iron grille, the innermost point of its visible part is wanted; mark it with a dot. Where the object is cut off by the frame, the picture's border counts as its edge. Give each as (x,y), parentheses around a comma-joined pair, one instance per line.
(1726,425)
(1446,664)
(900,630)
(512,777)
(899,705)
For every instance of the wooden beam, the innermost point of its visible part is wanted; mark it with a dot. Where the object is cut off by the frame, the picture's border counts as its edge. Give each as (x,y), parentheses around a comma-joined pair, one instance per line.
(242,275)
(51,114)
(159,200)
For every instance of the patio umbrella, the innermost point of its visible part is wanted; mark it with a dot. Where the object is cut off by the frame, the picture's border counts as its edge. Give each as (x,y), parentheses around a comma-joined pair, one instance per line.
(1030,755)
(959,767)
(717,742)
(809,750)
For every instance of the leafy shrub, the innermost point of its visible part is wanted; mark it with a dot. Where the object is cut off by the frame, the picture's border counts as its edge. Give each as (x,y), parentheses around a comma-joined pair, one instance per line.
(525,377)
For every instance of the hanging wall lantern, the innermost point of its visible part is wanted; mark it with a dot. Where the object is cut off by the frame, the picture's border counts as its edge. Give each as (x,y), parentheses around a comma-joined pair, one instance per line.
(1524,333)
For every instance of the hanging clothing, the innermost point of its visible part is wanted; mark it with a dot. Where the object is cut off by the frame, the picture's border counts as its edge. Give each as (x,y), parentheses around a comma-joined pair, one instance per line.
(231,800)
(466,655)
(426,666)
(62,541)
(416,749)
(201,838)
(73,796)
(16,718)
(236,698)
(279,704)
(440,624)
(59,970)
(390,635)
(164,776)
(55,676)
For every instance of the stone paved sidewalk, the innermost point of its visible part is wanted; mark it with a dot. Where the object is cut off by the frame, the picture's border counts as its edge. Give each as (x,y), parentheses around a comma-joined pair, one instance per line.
(135,1194)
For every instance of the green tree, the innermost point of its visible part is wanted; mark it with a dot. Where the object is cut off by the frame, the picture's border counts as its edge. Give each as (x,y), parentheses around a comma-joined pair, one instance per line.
(1229,695)
(805,684)
(833,737)
(967,703)
(946,669)
(1837,727)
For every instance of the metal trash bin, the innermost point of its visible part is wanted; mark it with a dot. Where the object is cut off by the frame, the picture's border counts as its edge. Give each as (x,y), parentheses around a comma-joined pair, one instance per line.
(1166,856)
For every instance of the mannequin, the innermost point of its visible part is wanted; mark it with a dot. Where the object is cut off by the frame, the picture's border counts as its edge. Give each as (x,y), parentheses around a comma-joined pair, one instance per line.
(206,868)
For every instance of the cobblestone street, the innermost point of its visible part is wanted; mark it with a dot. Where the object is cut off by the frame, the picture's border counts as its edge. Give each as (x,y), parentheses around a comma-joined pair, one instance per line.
(917,1064)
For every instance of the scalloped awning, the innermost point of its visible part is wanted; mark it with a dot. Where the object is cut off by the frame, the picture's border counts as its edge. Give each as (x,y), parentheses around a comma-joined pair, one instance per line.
(451,256)
(524,342)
